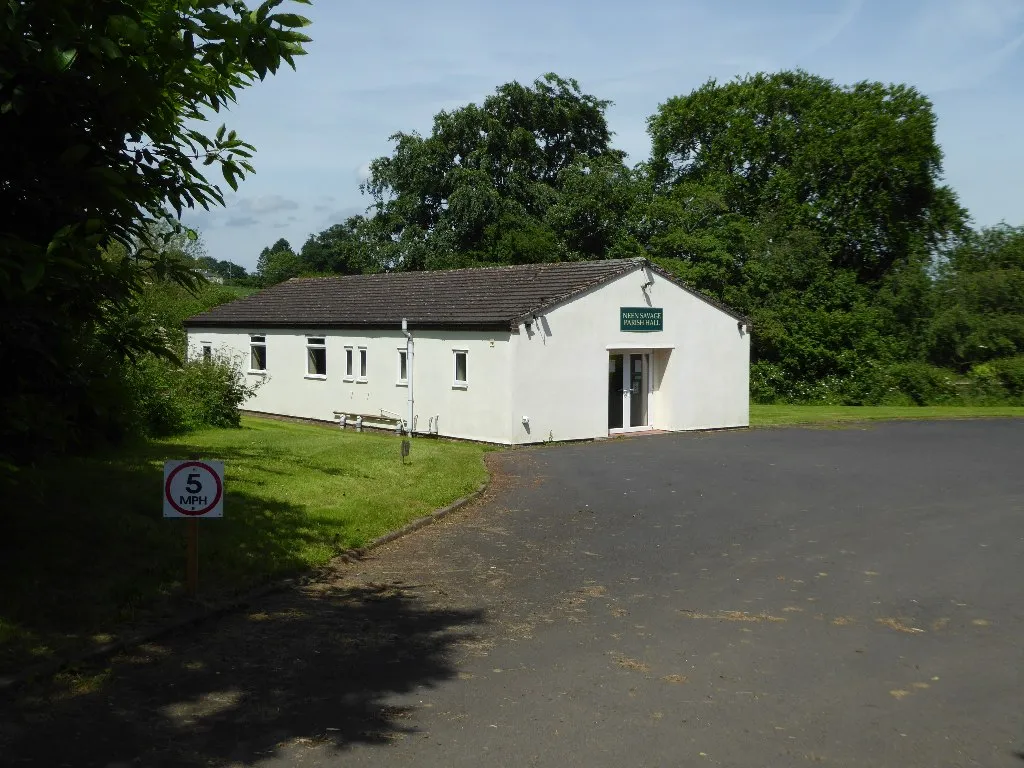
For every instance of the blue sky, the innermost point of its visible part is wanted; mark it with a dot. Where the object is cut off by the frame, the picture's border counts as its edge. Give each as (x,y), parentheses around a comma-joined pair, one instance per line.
(377,68)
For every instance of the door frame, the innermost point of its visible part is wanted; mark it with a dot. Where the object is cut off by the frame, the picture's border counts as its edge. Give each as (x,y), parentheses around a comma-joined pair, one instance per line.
(648,378)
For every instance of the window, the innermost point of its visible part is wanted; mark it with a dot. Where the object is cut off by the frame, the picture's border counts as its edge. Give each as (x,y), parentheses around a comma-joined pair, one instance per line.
(403,368)
(349,365)
(257,354)
(316,357)
(207,352)
(362,364)
(460,368)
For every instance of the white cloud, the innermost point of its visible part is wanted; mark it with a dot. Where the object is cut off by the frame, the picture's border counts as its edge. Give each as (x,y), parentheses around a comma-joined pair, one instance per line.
(835,27)
(265,205)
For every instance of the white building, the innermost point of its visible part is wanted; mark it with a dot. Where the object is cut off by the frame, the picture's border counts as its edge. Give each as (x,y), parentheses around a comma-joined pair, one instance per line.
(510,355)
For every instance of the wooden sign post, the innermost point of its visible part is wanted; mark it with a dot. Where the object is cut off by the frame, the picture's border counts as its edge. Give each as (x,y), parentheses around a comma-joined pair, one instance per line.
(192,557)
(193,490)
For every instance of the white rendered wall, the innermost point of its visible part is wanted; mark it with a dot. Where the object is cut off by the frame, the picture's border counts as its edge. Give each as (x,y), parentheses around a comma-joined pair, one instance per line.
(556,374)
(478,412)
(561,366)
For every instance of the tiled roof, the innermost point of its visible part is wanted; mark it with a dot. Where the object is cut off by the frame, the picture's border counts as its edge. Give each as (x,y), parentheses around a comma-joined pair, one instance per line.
(485,298)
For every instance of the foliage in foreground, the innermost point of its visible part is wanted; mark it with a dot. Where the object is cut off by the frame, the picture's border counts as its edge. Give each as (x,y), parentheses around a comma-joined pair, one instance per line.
(101,112)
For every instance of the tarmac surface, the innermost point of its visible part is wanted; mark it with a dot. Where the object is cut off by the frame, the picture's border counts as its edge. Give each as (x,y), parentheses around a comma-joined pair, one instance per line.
(783,597)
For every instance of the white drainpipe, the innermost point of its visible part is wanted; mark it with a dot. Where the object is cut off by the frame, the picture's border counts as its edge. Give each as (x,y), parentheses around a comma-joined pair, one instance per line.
(408,369)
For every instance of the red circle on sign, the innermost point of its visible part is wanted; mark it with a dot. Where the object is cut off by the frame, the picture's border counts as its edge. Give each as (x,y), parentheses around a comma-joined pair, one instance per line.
(192,512)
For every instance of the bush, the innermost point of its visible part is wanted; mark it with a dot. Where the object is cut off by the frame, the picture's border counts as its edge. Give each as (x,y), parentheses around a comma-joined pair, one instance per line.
(1010,371)
(767,383)
(998,381)
(171,400)
(874,383)
(214,391)
(921,383)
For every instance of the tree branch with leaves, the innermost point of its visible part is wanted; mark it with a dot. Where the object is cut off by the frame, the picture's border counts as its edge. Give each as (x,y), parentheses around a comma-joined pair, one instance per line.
(103,105)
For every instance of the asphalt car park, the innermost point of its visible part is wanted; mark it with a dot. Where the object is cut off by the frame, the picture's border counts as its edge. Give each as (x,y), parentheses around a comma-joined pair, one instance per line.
(754,597)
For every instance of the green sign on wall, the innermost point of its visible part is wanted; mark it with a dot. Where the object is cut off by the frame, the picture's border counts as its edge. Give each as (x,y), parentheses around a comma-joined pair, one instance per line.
(641,319)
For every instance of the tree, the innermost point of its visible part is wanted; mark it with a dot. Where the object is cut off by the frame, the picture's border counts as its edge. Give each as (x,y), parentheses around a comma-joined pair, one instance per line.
(277,263)
(597,199)
(816,208)
(280,245)
(478,187)
(225,269)
(339,250)
(858,165)
(690,230)
(101,107)
(231,271)
(276,267)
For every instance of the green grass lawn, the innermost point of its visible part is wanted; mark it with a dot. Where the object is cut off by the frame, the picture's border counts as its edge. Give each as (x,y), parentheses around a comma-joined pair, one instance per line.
(86,551)
(779,415)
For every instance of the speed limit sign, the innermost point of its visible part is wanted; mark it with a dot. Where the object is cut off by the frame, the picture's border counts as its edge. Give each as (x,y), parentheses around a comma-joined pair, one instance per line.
(194,489)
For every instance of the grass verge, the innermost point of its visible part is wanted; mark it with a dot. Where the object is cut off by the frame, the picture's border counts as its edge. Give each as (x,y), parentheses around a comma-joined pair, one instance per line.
(780,415)
(86,551)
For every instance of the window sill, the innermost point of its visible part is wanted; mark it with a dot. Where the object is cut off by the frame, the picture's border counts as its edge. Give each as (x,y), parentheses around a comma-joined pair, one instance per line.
(362,381)
(316,376)
(401,383)
(256,373)
(349,379)
(460,385)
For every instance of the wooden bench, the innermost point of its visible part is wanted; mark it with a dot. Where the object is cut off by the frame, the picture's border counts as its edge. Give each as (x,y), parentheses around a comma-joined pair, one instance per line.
(372,420)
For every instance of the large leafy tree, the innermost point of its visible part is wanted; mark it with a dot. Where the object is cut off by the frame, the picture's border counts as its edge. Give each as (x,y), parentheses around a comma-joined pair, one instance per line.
(813,206)
(102,112)
(480,186)
(857,165)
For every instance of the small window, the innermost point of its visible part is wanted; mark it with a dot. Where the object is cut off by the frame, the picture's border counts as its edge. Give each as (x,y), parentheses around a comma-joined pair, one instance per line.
(403,367)
(460,368)
(257,353)
(362,364)
(316,356)
(349,364)
(207,353)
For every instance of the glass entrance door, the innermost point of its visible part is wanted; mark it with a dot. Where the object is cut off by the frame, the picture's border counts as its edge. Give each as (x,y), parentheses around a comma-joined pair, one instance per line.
(628,383)
(637,391)
(616,400)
